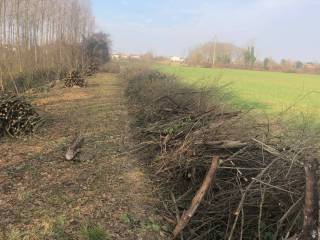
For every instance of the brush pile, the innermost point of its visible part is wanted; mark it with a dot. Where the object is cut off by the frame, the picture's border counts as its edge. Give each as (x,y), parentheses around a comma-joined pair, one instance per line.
(74,79)
(259,186)
(17,116)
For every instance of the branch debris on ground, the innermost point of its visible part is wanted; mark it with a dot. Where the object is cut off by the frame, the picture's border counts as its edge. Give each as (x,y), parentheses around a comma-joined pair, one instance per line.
(259,185)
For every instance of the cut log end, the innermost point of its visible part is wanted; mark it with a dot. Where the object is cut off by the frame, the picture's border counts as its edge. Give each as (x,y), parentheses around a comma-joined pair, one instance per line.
(74,148)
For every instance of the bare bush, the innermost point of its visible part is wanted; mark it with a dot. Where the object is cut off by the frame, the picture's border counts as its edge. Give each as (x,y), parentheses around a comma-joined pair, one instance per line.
(97,48)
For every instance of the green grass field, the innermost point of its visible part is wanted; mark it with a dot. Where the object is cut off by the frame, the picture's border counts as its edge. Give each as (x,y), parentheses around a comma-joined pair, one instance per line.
(270,92)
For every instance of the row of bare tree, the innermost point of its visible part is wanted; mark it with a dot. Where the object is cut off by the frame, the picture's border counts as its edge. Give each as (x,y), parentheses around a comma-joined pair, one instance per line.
(221,54)
(41,38)
(215,53)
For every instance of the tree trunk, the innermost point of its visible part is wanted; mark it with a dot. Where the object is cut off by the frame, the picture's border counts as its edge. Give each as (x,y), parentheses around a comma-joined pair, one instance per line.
(311,209)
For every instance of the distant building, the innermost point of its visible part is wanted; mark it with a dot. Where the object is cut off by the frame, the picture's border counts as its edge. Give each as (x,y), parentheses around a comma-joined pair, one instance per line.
(310,66)
(116,56)
(176,59)
(124,56)
(135,57)
(119,56)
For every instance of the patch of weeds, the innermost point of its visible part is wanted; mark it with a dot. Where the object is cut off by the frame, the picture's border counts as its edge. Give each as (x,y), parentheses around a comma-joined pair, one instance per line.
(151,226)
(154,228)
(51,229)
(94,232)
(177,126)
(148,225)
(130,220)
(23,194)
(15,234)
(48,229)
(58,229)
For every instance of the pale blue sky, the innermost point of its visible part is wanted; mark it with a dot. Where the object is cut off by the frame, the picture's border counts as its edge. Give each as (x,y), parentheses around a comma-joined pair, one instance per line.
(278,28)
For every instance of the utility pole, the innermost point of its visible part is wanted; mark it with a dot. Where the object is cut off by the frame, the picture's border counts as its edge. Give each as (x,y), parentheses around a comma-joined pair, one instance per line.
(214,51)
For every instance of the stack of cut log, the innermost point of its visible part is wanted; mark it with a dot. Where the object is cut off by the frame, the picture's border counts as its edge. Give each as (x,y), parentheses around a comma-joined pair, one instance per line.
(17,116)
(74,79)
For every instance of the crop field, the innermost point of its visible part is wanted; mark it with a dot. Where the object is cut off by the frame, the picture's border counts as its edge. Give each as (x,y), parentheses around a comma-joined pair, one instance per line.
(270,92)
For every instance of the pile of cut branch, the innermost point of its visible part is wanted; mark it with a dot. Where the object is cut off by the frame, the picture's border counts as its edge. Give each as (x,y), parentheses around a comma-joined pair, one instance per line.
(17,116)
(259,185)
(74,79)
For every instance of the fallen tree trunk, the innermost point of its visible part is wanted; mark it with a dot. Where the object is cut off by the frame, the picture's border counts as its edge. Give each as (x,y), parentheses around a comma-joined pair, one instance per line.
(198,198)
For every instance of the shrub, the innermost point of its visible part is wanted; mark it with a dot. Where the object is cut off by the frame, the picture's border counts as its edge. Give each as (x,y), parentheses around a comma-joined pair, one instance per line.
(97,48)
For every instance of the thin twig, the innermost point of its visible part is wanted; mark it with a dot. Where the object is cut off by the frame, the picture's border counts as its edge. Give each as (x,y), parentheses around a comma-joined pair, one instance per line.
(244,196)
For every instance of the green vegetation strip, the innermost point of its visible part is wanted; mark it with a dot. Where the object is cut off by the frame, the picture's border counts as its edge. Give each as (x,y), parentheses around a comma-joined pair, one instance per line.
(270,92)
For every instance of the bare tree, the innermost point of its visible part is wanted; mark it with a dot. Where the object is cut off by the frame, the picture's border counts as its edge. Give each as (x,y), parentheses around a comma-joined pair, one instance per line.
(219,53)
(41,37)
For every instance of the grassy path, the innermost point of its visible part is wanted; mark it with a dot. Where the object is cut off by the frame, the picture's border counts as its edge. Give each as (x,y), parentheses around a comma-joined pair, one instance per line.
(105,195)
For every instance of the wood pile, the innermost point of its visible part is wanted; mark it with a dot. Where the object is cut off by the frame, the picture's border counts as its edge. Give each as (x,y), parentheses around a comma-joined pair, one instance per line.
(74,79)
(17,116)
(260,182)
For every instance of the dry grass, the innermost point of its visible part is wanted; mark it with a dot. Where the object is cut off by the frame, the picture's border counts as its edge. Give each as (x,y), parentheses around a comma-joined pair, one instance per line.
(64,97)
(111,67)
(42,196)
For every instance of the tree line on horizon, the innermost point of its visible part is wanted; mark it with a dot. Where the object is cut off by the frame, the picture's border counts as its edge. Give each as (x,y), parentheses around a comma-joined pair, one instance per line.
(221,54)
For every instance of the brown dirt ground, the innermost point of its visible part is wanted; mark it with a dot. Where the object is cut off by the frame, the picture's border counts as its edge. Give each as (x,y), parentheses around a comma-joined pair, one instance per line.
(42,196)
